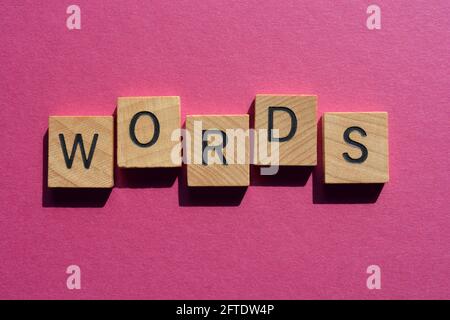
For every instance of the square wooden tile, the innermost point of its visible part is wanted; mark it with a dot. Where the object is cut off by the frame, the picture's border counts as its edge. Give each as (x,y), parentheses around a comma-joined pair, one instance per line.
(356,147)
(80,152)
(295,116)
(144,132)
(211,170)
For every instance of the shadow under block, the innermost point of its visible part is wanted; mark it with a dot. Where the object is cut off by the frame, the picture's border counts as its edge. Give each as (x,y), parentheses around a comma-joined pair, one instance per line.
(144,130)
(356,148)
(210,170)
(81,152)
(294,115)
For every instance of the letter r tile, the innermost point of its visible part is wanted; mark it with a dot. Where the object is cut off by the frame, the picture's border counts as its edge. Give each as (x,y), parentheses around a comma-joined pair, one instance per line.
(218,151)
(355,147)
(80,152)
(295,119)
(148,132)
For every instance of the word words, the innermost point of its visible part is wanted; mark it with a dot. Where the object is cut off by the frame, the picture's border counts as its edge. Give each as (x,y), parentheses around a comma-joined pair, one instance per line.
(217,149)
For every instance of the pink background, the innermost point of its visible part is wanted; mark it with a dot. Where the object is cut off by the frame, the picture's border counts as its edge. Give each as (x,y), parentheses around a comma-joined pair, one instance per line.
(285,237)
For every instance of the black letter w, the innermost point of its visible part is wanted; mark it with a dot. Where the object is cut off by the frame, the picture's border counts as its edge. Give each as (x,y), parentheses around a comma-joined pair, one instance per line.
(78,141)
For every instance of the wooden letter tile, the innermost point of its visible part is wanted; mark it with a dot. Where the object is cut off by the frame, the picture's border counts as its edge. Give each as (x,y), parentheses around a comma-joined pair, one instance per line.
(211,164)
(295,118)
(144,132)
(80,152)
(355,146)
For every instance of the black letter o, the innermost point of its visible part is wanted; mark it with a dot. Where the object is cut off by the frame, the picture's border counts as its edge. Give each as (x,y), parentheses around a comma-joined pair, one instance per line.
(133,128)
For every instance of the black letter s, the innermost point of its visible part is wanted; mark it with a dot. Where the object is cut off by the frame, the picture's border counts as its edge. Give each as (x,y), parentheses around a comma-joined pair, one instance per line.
(364,151)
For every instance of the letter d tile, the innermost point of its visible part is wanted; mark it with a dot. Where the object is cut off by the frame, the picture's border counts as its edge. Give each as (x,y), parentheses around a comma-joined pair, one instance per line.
(295,119)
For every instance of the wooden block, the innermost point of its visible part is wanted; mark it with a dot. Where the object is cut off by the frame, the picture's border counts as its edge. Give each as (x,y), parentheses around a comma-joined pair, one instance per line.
(295,118)
(211,170)
(80,152)
(144,132)
(355,146)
